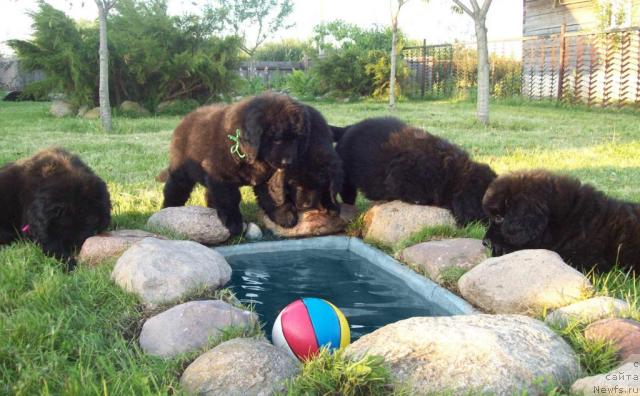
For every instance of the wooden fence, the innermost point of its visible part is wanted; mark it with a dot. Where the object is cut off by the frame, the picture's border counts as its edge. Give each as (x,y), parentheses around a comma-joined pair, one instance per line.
(595,69)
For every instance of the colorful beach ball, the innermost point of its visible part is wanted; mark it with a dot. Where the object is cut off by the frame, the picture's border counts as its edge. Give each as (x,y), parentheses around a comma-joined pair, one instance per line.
(308,324)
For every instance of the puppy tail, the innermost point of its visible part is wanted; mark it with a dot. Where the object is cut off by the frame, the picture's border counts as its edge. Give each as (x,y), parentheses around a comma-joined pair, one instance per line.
(163,176)
(338,132)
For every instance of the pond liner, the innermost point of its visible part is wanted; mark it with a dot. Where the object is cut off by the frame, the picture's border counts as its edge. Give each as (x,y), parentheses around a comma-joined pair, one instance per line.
(421,285)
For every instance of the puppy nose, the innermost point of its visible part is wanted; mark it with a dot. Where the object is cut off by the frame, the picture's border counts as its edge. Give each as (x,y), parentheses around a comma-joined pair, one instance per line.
(286,161)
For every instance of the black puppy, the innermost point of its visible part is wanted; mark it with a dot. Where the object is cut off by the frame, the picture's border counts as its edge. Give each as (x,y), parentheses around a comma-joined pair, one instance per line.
(388,160)
(540,210)
(225,147)
(54,199)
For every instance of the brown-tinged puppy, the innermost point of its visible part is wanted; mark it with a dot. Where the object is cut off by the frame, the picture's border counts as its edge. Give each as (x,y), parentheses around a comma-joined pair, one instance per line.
(539,210)
(387,159)
(274,132)
(53,199)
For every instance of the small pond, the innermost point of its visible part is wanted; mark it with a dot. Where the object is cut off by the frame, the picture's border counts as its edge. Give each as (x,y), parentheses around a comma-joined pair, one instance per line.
(370,288)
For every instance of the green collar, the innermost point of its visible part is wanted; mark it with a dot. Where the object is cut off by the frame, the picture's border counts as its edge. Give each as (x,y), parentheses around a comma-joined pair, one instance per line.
(235,149)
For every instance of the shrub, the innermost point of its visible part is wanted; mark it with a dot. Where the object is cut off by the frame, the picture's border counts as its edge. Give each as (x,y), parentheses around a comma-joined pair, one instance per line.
(66,52)
(177,107)
(287,50)
(343,72)
(251,86)
(302,84)
(153,56)
(357,61)
(355,72)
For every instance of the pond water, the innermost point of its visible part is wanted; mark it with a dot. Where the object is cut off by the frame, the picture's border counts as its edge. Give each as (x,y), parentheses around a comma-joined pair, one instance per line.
(367,295)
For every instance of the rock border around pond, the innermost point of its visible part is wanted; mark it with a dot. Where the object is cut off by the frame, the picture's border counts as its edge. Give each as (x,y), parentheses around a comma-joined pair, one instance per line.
(163,271)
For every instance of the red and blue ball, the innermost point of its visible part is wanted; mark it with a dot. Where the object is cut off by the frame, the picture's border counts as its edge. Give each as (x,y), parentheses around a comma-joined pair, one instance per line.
(309,324)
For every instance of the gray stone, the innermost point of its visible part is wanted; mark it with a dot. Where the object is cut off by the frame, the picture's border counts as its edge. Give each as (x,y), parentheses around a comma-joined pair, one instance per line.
(588,311)
(471,354)
(60,108)
(100,247)
(524,282)
(193,222)
(310,223)
(394,221)
(190,326)
(92,114)
(253,232)
(240,367)
(161,271)
(132,107)
(435,256)
(623,380)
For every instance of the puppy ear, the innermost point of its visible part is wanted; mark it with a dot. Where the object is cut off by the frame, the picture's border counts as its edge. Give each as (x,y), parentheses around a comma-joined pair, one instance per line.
(251,134)
(395,174)
(525,222)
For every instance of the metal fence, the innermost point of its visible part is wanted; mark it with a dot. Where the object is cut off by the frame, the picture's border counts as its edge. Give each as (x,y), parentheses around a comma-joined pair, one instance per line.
(577,67)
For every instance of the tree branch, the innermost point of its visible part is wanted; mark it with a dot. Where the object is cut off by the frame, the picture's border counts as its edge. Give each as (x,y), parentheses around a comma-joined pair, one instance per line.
(485,7)
(464,7)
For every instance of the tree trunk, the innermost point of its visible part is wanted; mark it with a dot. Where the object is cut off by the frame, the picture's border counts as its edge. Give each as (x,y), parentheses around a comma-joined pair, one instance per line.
(103,90)
(392,76)
(482,105)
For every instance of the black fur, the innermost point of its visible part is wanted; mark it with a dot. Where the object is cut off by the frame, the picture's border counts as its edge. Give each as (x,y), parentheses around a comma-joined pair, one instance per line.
(276,133)
(387,159)
(60,199)
(540,210)
(314,182)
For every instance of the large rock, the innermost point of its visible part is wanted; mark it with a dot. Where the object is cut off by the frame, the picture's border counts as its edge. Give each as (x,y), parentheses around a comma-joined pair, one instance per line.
(100,247)
(588,311)
(436,256)
(131,107)
(240,367)
(524,282)
(190,326)
(162,271)
(471,354)
(624,334)
(395,221)
(310,223)
(193,222)
(92,114)
(60,108)
(624,380)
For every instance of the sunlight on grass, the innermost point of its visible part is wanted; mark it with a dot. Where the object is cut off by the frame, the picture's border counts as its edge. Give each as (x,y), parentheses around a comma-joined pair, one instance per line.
(76,333)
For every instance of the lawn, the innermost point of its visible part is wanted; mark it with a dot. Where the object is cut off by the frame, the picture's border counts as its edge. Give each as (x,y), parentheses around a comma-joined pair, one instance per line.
(75,333)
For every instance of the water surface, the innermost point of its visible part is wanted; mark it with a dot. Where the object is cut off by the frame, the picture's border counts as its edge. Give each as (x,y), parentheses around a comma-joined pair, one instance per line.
(368,296)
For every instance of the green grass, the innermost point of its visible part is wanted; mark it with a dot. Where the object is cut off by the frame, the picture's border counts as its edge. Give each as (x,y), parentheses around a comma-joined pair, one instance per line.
(76,333)
(328,372)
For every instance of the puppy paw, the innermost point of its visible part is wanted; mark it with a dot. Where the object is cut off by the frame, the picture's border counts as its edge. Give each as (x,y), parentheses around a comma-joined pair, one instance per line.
(284,216)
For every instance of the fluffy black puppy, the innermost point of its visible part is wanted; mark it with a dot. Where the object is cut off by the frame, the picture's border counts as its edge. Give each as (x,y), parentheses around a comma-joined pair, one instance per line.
(315,180)
(54,199)
(224,147)
(540,210)
(387,159)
